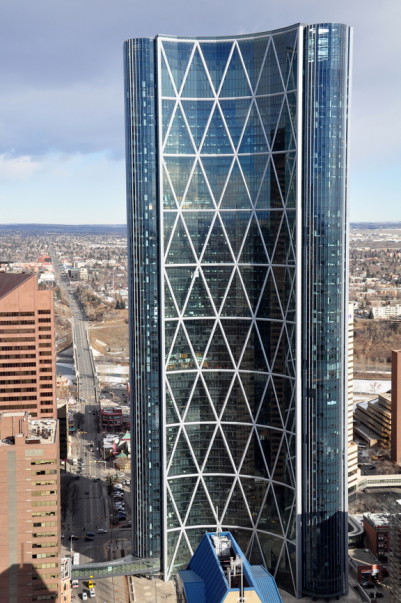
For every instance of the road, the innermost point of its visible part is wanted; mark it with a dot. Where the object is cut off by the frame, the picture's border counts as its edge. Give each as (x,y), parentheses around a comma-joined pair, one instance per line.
(89,506)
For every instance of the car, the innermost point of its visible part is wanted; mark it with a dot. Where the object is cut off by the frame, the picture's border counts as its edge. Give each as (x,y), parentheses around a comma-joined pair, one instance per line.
(84,595)
(86,491)
(89,538)
(92,592)
(74,584)
(90,534)
(102,531)
(121,475)
(91,584)
(73,537)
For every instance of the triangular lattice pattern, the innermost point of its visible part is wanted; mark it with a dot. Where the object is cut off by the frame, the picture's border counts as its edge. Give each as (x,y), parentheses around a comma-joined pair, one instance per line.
(228,139)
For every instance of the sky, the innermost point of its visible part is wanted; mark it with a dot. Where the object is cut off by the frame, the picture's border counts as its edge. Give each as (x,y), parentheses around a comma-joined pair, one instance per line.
(61,97)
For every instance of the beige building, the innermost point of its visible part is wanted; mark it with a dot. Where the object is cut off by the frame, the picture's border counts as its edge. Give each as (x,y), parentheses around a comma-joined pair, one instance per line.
(353,471)
(29,513)
(27,349)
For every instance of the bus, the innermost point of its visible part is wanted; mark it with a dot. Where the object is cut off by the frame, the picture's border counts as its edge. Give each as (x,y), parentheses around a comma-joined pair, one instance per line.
(75,559)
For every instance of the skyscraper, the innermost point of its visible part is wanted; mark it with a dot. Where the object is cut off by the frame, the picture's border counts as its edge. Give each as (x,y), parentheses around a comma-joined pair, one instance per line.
(27,348)
(236,194)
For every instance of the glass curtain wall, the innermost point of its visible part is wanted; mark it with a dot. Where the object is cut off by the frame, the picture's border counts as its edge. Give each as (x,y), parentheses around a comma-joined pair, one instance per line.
(326,90)
(227,136)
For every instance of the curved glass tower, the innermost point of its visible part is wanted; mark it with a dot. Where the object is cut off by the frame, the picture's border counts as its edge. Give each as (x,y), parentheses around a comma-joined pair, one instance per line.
(236,188)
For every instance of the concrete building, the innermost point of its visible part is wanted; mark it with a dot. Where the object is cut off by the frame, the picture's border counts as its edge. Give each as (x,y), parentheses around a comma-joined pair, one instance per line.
(29,510)
(396,406)
(373,419)
(353,471)
(237,161)
(27,349)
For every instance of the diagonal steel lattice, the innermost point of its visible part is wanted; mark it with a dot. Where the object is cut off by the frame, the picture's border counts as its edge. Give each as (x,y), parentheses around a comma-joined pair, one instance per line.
(228,191)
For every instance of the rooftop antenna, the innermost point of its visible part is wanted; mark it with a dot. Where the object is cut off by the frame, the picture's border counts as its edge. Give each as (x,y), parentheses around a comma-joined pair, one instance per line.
(218,525)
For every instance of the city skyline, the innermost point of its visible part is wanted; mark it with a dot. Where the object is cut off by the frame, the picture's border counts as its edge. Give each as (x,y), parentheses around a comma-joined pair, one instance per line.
(62,116)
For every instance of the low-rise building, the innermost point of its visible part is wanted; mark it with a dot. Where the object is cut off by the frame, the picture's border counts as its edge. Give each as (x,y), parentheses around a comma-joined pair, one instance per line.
(377,531)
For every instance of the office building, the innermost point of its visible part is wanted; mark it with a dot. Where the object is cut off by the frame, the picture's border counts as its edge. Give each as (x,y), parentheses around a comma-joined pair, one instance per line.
(30,508)
(27,350)
(395,400)
(236,194)
(353,471)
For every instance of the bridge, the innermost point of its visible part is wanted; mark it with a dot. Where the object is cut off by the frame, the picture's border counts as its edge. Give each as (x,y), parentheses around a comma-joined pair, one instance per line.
(126,566)
(392,480)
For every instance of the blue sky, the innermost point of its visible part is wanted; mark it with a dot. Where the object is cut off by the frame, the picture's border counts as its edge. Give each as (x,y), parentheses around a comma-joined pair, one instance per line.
(61,97)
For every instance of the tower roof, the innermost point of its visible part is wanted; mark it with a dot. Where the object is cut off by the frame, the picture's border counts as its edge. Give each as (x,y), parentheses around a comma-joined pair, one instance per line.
(9,282)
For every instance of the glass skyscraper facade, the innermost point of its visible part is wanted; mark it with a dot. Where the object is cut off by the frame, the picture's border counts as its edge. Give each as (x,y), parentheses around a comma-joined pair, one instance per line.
(236,194)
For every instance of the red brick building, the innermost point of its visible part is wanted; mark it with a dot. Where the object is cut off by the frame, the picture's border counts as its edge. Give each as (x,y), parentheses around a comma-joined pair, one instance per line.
(27,348)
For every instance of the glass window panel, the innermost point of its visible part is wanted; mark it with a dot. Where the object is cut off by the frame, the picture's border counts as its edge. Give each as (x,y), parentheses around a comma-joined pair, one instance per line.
(200,435)
(236,195)
(216,56)
(218,460)
(270,80)
(217,249)
(235,112)
(236,438)
(199,332)
(181,385)
(253,168)
(198,225)
(217,278)
(197,84)
(216,141)
(254,462)
(235,225)
(218,356)
(180,279)
(179,169)
(199,408)
(199,303)
(198,195)
(236,409)
(236,332)
(236,303)
(182,460)
(181,357)
(236,513)
(253,251)
(180,251)
(218,384)
(253,52)
(201,511)
(253,140)
(253,357)
(235,81)
(178,54)
(167,111)
(217,169)
(197,114)
(178,138)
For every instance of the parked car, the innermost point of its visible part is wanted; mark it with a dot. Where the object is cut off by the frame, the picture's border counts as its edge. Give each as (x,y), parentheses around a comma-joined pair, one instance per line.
(88,538)
(90,534)
(102,531)
(84,595)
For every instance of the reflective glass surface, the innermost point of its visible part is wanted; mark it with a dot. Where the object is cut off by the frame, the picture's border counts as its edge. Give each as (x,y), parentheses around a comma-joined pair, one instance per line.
(229,276)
